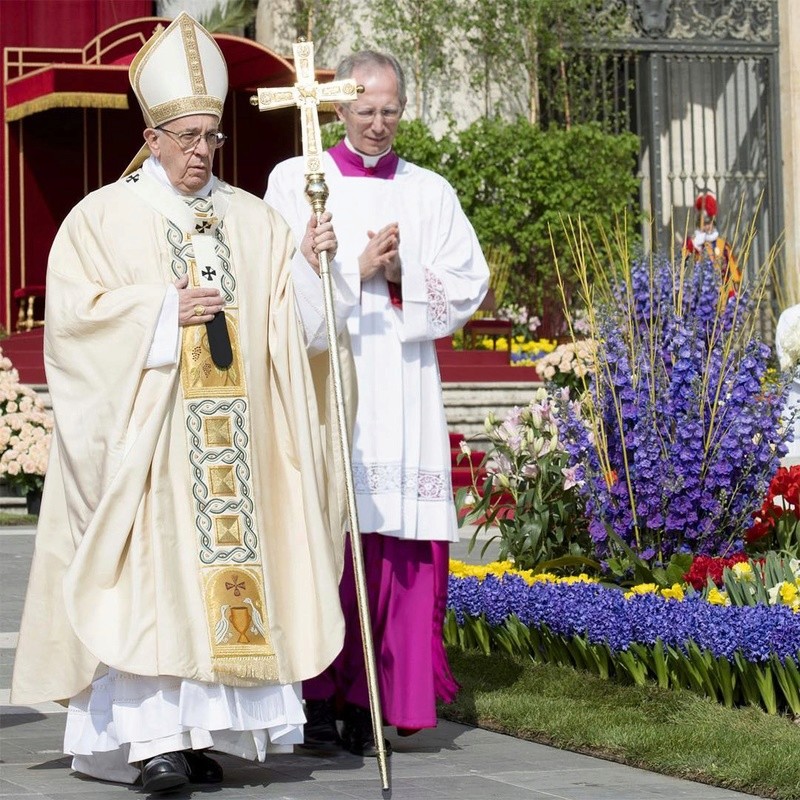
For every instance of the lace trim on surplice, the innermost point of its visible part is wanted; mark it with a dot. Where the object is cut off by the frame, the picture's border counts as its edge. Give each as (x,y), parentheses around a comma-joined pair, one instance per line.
(386,478)
(438,318)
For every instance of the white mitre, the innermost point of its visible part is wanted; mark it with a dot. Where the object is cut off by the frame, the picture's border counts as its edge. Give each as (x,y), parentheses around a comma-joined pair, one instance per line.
(180,71)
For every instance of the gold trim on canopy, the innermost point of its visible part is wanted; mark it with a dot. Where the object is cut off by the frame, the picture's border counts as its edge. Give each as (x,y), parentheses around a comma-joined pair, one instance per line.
(66,100)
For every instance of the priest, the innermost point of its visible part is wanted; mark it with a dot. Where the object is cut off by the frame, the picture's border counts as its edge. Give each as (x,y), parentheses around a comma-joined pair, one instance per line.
(411,257)
(190,544)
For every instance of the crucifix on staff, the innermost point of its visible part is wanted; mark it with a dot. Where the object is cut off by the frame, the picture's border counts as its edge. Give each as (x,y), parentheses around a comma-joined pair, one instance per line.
(307,94)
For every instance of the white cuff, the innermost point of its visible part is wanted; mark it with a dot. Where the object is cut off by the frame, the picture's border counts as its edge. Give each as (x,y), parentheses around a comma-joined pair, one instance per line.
(164,347)
(310,302)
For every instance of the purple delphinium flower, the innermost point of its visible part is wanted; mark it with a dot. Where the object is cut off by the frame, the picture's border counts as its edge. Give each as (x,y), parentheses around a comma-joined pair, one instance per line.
(691,432)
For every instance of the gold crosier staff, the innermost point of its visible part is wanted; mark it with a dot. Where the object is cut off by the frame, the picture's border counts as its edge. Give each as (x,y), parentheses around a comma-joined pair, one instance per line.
(307,94)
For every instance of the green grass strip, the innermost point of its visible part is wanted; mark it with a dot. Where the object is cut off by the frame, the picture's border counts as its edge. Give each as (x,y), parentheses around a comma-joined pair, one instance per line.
(671,732)
(17,519)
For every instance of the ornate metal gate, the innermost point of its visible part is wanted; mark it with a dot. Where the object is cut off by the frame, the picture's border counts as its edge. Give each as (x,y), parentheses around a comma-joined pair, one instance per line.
(697,80)
(708,117)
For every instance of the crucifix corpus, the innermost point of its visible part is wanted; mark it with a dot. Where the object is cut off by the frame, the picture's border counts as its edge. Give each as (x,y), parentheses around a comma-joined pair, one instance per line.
(307,94)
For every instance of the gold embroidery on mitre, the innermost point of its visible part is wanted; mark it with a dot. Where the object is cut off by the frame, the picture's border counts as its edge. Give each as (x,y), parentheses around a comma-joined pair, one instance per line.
(228,530)
(200,376)
(192,51)
(217,431)
(185,106)
(238,623)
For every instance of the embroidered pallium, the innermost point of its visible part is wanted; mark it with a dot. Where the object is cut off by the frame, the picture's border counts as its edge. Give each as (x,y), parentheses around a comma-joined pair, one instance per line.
(218,440)
(200,376)
(183,253)
(239,630)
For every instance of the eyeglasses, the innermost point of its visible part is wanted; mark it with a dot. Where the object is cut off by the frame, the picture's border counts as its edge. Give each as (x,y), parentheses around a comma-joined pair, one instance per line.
(367,115)
(188,140)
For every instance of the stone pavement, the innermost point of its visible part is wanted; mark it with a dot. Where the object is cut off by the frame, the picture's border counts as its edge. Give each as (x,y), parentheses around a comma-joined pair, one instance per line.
(452,762)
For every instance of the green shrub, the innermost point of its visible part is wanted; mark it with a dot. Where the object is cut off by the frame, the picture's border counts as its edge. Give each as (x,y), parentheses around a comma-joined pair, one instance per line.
(516,182)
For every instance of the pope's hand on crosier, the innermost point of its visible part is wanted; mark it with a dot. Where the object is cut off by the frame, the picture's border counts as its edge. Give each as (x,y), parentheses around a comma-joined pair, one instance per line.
(319,237)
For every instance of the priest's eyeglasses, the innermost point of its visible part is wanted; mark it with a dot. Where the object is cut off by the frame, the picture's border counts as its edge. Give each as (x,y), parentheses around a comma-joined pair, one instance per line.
(188,140)
(368,114)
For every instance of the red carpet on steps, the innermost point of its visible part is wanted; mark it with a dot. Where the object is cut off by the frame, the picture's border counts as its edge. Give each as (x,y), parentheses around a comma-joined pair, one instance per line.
(25,351)
(456,366)
(478,366)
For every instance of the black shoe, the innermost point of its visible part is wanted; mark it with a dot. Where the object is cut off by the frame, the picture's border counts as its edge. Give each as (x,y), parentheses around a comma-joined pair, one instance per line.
(357,735)
(202,768)
(319,732)
(165,772)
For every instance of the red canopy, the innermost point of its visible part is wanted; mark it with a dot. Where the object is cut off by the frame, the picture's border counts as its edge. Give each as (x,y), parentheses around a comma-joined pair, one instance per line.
(72,124)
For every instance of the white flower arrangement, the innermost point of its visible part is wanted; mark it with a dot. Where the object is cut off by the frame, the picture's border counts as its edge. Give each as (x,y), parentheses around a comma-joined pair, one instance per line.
(568,364)
(787,592)
(25,431)
(525,323)
(787,338)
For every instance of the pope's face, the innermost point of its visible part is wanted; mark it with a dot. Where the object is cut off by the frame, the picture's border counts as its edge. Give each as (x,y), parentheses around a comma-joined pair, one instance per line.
(187,164)
(371,121)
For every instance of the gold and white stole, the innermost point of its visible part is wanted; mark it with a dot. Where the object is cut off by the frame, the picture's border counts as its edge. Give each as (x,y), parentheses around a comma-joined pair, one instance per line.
(218,436)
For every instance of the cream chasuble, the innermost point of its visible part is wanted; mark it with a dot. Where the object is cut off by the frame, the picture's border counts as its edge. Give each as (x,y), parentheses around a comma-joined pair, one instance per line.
(190,525)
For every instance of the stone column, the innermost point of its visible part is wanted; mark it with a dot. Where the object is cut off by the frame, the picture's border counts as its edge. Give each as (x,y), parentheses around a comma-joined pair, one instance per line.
(789,33)
(274,27)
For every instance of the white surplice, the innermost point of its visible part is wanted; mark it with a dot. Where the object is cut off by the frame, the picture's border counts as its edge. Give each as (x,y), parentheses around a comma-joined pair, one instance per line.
(401,450)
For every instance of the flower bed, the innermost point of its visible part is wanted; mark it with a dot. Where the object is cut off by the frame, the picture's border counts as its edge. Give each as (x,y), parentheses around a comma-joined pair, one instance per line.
(524,352)
(643,461)
(734,654)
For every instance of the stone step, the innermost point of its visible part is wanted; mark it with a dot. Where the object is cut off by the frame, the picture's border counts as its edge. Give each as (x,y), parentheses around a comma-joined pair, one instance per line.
(11,503)
(484,392)
(468,404)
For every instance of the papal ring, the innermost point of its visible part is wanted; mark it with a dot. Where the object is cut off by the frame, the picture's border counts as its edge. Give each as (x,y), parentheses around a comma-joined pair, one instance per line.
(199,311)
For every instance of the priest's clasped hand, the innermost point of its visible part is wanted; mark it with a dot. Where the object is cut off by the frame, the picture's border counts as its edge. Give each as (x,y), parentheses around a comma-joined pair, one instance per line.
(196,306)
(382,254)
(319,237)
